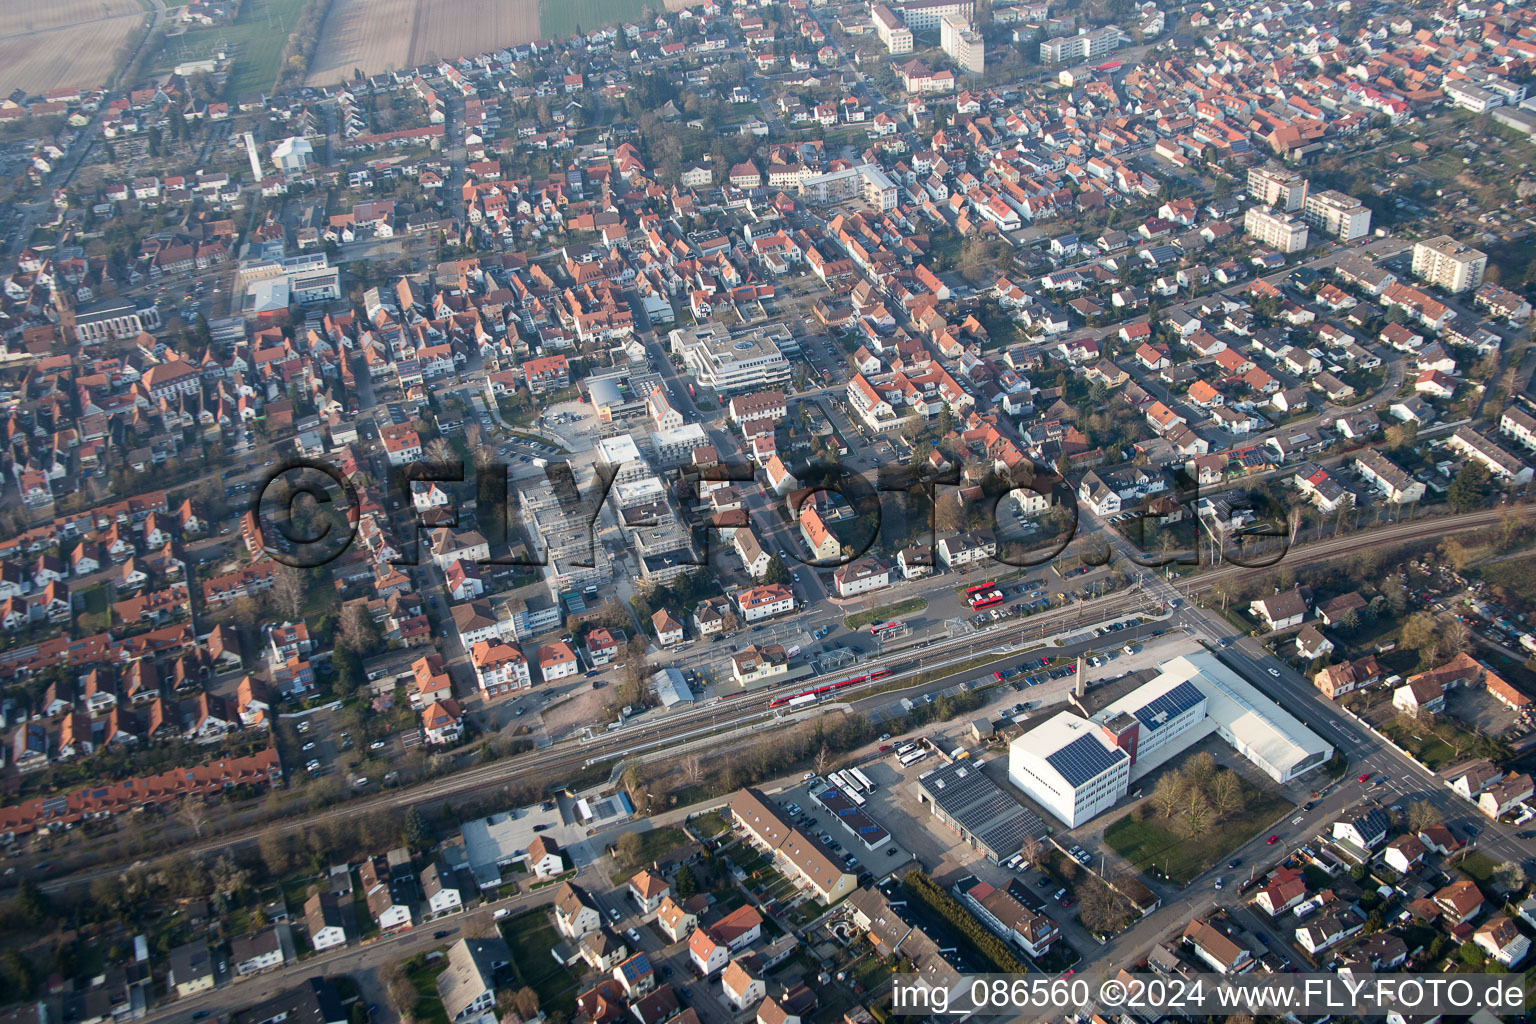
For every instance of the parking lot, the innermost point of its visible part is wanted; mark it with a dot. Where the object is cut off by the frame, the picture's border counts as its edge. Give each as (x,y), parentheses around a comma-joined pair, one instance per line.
(840,841)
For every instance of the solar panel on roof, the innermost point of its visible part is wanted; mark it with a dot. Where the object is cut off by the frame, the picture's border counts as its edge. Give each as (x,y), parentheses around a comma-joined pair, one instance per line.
(1083,759)
(1170,705)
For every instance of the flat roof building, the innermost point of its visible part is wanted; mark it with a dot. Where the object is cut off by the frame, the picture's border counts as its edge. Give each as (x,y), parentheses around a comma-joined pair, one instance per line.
(1077,768)
(733,363)
(1446,262)
(1070,767)
(985,817)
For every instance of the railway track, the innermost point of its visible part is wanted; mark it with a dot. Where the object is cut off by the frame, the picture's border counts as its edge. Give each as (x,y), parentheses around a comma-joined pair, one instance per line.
(568,757)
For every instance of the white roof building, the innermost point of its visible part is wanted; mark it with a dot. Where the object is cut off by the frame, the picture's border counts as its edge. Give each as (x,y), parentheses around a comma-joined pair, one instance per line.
(1070,768)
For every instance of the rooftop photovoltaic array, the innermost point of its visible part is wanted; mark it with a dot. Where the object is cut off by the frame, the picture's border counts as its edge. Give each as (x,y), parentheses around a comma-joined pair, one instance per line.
(1083,759)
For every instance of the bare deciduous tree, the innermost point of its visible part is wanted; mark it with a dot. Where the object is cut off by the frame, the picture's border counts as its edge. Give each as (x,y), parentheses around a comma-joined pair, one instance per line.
(1422,815)
(1032,852)
(1226,792)
(193,813)
(1169,792)
(1197,817)
(288,590)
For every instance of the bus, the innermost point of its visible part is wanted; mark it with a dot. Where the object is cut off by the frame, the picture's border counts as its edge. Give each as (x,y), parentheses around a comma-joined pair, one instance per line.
(905,748)
(840,779)
(984,595)
(862,780)
(882,628)
(855,796)
(913,756)
(818,692)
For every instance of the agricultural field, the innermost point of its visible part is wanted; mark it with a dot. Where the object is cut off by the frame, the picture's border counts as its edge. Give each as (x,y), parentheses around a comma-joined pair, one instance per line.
(380,35)
(63,45)
(561,18)
(457,28)
(374,35)
(255,41)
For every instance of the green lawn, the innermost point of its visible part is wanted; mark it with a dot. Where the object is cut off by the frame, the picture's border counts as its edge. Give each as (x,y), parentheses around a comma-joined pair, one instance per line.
(1428,748)
(1154,848)
(255,39)
(429,1005)
(531,935)
(890,611)
(560,19)
(653,844)
(96,615)
(1480,867)
(709,824)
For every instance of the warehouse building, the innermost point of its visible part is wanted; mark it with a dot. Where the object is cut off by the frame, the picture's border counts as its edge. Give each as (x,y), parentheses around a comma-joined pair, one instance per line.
(976,808)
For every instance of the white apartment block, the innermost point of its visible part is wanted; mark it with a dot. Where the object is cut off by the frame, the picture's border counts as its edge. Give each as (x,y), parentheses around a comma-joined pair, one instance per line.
(1083,46)
(1519,424)
(926,15)
(1283,189)
(1337,215)
(1279,231)
(892,31)
(1501,464)
(1388,477)
(862,181)
(963,44)
(1446,262)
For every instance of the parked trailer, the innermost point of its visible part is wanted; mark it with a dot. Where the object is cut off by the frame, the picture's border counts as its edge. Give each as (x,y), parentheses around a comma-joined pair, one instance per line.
(862,780)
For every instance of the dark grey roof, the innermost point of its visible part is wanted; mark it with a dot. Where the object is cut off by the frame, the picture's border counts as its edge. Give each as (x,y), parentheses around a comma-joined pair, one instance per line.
(1160,710)
(967,796)
(1083,759)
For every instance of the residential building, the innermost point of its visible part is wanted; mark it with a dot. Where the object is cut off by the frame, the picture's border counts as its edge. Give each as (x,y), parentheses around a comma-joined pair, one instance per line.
(963,43)
(891,30)
(1445,262)
(1281,188)
(1500,463)
(1337,215)
(467,986)
(1279,231)
(800,857)
(757,603)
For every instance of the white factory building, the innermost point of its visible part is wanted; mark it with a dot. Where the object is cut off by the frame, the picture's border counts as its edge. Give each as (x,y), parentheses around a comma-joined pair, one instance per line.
(1076,768)
(1069,767)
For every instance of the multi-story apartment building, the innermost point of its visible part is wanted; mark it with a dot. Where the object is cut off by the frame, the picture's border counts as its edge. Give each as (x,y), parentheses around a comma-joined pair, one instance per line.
(1499,462)
(1337,215)
(1279,231)
(926,15)
(1446,262)
(1083,46)
(1518,423)
(963,43)
(862,181)
(1283,189)
(892,31)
